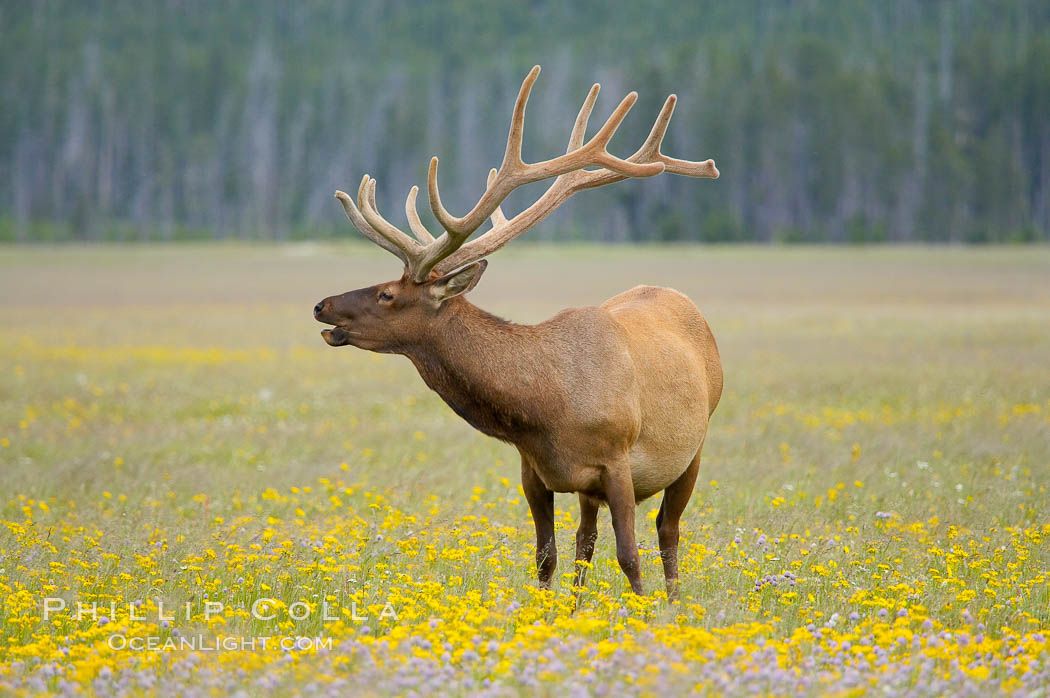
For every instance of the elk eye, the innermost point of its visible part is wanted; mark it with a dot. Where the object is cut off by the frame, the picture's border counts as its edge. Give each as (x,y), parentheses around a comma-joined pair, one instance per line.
(386,297)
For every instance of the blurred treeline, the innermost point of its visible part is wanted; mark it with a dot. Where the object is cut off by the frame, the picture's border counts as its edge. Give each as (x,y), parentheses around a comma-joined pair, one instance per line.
(836,121)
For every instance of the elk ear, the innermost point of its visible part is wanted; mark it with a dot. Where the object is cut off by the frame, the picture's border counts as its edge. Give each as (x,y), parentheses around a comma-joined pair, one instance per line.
(457,282)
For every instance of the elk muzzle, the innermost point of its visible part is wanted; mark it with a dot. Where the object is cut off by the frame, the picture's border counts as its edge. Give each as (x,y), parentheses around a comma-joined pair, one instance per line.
(333,336)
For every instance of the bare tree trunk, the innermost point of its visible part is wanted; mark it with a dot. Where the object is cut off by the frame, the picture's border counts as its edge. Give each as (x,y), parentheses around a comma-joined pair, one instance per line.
(1041,207)
(913,185)
(260,145)
(946,54)
(107,155)
(22,183)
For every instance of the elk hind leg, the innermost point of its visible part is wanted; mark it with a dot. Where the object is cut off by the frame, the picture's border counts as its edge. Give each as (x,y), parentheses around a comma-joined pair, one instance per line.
(619,492)
(676,496)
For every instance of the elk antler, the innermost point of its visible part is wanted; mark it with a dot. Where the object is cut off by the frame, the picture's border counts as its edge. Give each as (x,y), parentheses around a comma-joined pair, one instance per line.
(451,250)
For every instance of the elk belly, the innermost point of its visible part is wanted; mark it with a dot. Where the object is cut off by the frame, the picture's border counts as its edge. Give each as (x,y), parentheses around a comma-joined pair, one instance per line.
(652,472)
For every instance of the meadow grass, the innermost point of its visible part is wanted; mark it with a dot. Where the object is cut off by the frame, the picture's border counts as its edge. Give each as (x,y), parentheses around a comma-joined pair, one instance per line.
(870,514)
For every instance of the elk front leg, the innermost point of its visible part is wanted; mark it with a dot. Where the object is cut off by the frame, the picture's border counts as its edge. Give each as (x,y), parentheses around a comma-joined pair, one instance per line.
(586,535)
(541,502)
(676,496)
(619,491)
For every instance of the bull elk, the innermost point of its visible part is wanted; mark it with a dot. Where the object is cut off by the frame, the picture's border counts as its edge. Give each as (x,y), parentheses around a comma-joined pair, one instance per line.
(610,402)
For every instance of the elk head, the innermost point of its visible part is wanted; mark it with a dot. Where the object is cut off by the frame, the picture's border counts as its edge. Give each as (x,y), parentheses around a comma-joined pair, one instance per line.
(387,317)
(392,315)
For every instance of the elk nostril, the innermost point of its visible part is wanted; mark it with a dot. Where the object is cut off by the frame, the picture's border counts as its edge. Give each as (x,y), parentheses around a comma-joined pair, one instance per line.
(318,309)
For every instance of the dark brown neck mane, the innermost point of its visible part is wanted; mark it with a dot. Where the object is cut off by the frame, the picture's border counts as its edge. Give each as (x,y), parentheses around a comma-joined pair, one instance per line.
(479,365)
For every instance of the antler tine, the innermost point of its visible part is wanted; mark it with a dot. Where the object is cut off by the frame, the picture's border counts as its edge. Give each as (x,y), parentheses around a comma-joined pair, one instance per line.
(497,216)
(579,129)
(512,157)
(412,213)
(512,163)
(650,149)
(608,129)
(366,201)
(651,146)
(359,222)
(444,218)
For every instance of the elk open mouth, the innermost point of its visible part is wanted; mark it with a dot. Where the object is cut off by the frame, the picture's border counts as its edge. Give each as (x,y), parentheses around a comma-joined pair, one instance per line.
(336,336)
